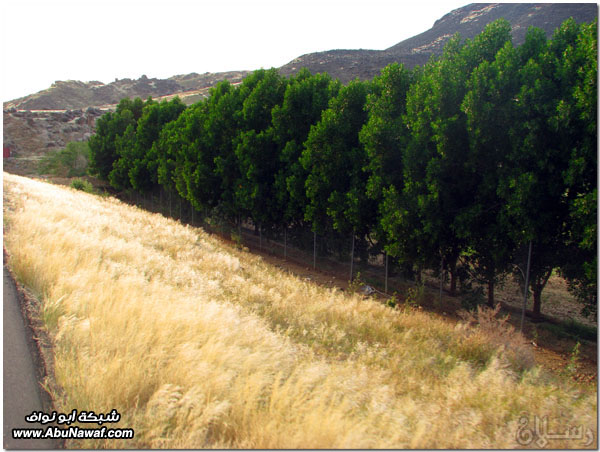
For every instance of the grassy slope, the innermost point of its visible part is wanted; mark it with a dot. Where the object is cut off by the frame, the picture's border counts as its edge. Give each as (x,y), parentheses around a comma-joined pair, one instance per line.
(199,345)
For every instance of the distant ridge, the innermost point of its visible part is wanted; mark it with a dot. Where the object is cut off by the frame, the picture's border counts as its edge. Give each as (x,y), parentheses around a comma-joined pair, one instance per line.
(345,65)
(468,21)
(73,94)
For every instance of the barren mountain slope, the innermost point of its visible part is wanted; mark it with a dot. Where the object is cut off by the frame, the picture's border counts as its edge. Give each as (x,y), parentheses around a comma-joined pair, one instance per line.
(30,135)
(73,94)
(468,21)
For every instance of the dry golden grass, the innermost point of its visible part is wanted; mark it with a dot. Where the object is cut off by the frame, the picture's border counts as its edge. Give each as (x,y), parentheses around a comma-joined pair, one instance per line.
(199,345)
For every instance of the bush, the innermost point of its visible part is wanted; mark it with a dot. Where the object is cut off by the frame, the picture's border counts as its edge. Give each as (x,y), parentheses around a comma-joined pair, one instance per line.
(415,296)
(392,302)
(512,345)
(83,185)
(71,161)
(356,285)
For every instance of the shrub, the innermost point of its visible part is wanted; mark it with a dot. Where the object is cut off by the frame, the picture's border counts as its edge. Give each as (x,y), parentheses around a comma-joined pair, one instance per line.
(356,285)
(392,302)
(415,296)
(571,368)
(512,345)
(236,238)
(83,185)
(71,161)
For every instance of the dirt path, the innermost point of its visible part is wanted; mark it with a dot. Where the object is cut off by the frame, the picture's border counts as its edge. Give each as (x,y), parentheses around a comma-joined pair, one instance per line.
(22,393)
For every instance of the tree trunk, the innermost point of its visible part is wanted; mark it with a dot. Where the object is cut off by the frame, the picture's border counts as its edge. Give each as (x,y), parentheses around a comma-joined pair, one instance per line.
(352,258)
(490,294)
(537,287)
(453,278)
(537,302)
(418,276)
(314,250)
(441,277)
(386,272)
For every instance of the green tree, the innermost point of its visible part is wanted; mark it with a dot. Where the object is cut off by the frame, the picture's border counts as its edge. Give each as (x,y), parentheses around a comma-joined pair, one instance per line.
(539,202)
(385,137)
(205,163)
(491,112)
(222,130)
(124,146)
(256,151)
(103,144)
(334,159)
(143,173)
(305,98)
(577,116)
(436,188)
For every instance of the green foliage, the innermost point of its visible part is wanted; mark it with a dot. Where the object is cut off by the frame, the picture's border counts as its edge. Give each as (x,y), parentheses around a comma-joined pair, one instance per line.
(306,97)
(83,185)
(72,161)
(385,134)
(392,302)
(143,172)
(257,152)
(415,296)
(356,285)
(103,144)
(334,159)
(574,358)
(385,137)
(577,113)
(459,163)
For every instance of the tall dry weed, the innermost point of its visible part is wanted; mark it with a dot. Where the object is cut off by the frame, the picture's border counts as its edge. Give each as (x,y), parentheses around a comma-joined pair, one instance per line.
(199,345)
(511,345)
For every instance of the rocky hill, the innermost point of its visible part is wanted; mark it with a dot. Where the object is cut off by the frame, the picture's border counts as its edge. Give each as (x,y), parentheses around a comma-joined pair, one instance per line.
(468,21)
(30,132)
(72,94)
(346,65)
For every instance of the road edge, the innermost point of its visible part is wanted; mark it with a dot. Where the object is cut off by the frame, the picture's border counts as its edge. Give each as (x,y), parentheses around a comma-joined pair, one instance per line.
(39,342)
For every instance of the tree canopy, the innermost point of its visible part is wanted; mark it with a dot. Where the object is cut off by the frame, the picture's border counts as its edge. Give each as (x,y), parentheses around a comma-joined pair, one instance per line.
(460,163)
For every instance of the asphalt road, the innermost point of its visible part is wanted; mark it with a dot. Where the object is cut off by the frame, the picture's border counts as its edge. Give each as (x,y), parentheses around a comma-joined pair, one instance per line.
(22,393)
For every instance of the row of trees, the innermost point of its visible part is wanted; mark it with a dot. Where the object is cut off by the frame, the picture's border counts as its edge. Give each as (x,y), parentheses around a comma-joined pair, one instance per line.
(462,162)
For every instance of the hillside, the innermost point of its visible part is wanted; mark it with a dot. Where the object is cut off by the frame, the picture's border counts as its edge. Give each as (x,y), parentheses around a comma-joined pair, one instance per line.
(73,94)
(346,65)
(468,21)
(198,344)
(31,134)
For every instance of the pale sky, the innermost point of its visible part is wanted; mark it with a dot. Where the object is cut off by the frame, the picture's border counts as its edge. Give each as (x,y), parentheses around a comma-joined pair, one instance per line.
(48,40)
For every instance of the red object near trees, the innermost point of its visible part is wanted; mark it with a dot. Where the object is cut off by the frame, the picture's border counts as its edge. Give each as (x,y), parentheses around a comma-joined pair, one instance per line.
(6,151)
